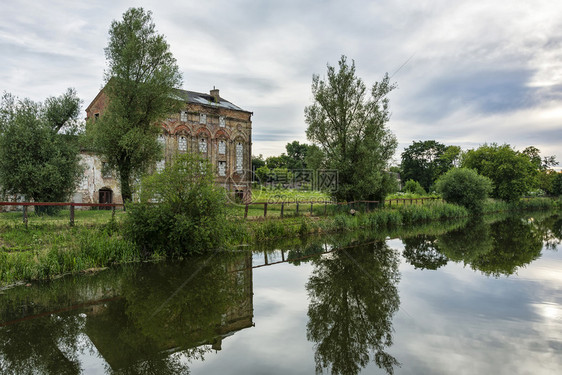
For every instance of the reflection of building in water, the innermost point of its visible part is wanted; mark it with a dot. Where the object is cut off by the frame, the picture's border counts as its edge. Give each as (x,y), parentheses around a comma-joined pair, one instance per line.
(122,339)
(116,311)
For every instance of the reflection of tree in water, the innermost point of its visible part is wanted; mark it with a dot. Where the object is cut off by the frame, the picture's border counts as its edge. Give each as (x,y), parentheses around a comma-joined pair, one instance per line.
(495,249)
(353,298)
(465,244)
(150,325)
(515,244)
(48,346)
(421,252)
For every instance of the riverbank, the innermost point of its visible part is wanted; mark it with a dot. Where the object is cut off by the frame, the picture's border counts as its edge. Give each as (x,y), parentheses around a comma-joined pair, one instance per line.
(48,250)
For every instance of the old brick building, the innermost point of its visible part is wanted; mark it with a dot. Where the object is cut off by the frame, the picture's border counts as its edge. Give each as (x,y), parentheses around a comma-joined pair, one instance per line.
(208,125)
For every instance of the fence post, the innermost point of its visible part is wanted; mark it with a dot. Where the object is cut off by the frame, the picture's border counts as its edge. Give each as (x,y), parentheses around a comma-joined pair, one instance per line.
(297,208)
(71,214)
(282,207)
(265,209)
(113,212)
(325,208)
(311,208)
(25,216)
(246,211)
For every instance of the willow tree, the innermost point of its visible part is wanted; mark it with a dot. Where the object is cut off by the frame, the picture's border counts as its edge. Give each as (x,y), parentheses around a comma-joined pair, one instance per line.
(39,151)
(140,79)
(348,124)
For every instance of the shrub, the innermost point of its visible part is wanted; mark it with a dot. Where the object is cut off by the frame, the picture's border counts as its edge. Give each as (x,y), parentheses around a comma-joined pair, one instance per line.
(181,210)
(465,187)
(414,187)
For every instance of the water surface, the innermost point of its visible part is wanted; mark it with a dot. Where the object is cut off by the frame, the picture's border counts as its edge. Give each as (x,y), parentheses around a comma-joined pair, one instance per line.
(482,297)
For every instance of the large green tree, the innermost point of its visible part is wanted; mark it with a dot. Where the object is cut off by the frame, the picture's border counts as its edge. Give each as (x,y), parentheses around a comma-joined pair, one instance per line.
(39,151)
(348,124)
(425,161)
(140,82)
(512,172)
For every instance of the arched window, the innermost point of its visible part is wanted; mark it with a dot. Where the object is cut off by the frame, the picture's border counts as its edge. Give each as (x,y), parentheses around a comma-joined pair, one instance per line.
(202,145)
(182,143)
(222,147)
(239,157)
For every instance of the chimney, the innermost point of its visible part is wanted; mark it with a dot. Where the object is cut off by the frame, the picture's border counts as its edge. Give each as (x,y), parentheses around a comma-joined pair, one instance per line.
(215,95)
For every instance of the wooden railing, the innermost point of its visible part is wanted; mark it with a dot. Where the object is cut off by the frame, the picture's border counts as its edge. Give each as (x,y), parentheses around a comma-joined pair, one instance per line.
(72,205)
(352,205)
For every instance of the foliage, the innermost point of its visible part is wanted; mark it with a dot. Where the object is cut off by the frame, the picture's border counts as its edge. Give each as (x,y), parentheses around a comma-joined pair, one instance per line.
(181,210)
(425,161)
(512,173)
(39,151)
(557,185)
(348,126)
(140,82)
(297,153)
(257,162)
(465,187)
(414,187)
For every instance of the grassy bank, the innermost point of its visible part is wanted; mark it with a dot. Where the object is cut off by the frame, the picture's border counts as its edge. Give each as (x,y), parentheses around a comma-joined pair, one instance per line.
(50,248)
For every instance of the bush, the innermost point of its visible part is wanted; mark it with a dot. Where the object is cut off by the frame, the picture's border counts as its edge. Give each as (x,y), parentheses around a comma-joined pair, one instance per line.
(181,210)
(465,187)
(414,187)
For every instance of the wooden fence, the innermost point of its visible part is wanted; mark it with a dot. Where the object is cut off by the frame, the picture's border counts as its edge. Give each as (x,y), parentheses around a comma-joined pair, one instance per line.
(355,205)
(72,205)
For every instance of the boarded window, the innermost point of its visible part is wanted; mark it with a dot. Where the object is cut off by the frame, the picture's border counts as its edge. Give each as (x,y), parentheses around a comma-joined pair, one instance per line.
(239,158)
(222,168)
(182,143)
(222,147)
(202,145)
(222,122)
(202,118)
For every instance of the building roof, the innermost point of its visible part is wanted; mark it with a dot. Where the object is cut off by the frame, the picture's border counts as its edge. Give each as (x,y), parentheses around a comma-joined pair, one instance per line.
(206,99)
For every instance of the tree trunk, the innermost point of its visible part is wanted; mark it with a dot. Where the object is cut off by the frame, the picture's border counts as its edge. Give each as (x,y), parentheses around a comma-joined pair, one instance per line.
(125,181)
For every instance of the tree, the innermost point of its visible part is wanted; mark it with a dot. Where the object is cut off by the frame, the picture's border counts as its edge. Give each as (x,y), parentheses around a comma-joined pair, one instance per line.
(557,184)
(425,161)
(465,187)
(348,124)
(257,162)
(190,216)
(140,79)
(512,173)
(296,153)
(39,150)
(546,175)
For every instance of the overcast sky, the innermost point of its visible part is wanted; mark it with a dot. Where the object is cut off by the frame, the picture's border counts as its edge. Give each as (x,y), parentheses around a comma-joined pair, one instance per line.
(468,72)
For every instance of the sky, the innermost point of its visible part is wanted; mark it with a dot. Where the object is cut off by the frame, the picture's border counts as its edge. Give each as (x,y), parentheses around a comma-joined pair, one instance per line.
(467,72)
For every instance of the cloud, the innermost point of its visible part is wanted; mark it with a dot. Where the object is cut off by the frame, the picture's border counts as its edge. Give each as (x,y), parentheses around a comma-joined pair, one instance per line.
(470,65)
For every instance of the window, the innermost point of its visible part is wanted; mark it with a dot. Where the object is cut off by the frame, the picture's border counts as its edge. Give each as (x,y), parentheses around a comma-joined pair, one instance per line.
(160,165)
(202,118)
(183,116)
(182,143)
(202,145)
(222,147)
(239,158)
(222,122)
(222,168)
(96,116)
(105,170)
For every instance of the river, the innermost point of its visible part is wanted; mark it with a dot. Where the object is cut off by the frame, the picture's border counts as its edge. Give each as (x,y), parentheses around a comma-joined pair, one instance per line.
(476,297)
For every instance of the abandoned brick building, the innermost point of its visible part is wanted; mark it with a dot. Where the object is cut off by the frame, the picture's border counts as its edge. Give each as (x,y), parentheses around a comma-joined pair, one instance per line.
(209,125)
